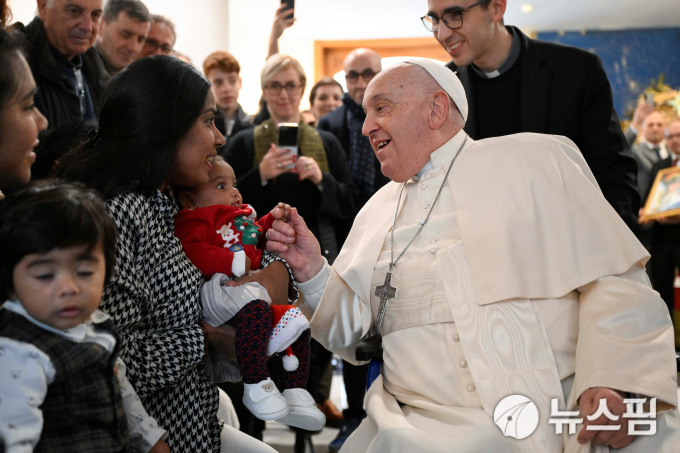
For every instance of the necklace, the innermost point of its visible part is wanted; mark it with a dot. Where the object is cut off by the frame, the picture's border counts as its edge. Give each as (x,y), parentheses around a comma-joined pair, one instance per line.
(386,291)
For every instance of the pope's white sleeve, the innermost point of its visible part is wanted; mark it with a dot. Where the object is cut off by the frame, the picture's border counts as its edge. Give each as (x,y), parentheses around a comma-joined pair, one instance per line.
(313,289)
(144,431)
(25,373)
(340,319)
(625,338)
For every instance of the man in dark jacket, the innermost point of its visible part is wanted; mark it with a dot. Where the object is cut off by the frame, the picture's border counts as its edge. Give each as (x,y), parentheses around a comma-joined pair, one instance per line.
(516,84)
(69,73)
(125,24)
(345,122)
(665,238)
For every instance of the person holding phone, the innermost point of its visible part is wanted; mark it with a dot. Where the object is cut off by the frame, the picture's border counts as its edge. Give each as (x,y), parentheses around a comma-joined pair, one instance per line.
(643,108)
(289,5)
(283,19)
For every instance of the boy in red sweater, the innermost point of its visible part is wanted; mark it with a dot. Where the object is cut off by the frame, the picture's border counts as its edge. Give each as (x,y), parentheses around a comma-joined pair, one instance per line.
(220,235)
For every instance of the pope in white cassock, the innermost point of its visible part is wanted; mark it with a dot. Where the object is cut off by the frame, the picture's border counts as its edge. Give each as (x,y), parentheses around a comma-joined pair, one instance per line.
(510,275)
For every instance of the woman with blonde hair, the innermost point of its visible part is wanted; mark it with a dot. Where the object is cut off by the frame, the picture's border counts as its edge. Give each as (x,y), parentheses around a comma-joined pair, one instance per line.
(316,180)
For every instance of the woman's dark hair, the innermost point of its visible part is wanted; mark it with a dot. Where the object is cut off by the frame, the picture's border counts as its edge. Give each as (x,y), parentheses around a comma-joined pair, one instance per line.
(57,143)
(10,50)
(324,81)
(146,109)
(50,214)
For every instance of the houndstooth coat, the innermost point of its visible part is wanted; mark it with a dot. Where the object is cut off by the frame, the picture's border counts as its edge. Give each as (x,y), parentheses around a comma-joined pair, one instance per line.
(153,299)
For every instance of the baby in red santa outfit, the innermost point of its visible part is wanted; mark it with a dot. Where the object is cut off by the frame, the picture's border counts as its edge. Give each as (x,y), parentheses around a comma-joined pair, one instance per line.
(220,235)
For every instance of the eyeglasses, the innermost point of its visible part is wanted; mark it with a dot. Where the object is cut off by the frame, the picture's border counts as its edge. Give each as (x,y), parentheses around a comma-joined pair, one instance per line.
(367,74)
(154,45)
(452,19)
(274,88)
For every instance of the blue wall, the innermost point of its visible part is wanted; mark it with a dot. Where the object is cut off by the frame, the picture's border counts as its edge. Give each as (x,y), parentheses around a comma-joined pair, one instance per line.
(631,58)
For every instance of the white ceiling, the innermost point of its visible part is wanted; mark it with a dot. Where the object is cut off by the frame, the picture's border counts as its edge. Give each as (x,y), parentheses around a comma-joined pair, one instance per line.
(371,19)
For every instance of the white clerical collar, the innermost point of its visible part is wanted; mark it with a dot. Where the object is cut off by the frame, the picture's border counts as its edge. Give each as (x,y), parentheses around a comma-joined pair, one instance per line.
(77,333)
(442,156)
(515,50)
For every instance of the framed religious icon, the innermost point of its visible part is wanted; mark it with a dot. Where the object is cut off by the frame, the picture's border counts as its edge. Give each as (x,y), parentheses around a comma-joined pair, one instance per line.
(664,198)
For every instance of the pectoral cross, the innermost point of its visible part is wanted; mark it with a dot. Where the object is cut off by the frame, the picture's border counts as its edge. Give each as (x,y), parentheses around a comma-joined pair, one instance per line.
(385,291)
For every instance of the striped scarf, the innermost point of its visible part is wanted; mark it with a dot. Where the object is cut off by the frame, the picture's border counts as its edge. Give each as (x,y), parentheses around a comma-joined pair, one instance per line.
(361,156)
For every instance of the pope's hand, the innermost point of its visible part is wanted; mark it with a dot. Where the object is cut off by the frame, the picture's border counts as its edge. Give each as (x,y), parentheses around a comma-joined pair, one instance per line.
(293,242)
(613,400)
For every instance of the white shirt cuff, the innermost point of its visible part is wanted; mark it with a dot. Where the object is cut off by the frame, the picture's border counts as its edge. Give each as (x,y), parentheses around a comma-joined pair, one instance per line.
(313,288)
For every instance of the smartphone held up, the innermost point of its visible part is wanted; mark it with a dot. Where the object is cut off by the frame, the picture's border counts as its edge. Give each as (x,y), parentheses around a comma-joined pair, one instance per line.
(290,4)
(288,139)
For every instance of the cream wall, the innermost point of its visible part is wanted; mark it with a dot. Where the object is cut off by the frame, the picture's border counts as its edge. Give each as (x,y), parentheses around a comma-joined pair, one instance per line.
(250,26)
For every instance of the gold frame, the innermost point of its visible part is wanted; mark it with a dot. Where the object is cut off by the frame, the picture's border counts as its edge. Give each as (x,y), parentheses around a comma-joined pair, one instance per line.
(654,206)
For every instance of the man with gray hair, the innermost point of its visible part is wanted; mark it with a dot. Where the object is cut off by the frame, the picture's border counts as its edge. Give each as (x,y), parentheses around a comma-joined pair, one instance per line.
(161,37)
(125,24)
(491,269)
(67,70)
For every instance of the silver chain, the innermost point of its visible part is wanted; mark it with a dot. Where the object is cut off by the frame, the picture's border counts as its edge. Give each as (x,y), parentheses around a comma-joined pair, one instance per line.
(393,262)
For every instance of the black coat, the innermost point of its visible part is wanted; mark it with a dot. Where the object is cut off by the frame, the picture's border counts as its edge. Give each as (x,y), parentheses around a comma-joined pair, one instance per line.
(242,123)
(56,97)
(565,91)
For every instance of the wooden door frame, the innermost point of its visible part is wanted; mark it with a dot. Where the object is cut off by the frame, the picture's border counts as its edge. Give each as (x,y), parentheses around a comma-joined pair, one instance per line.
(329,55)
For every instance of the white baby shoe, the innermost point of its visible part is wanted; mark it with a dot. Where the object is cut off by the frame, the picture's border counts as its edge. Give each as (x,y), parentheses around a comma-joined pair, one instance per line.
(264,400)
(303,411)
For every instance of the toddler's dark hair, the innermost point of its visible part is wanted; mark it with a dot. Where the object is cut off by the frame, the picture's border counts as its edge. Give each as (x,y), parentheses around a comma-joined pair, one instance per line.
(50,214)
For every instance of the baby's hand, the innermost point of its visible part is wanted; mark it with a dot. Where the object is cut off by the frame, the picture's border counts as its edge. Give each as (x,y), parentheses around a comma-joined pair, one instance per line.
(282,212)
